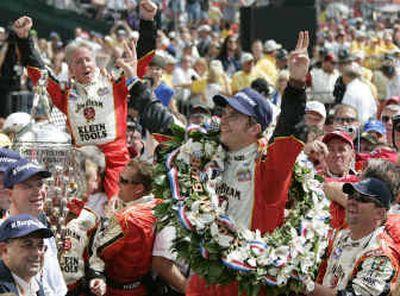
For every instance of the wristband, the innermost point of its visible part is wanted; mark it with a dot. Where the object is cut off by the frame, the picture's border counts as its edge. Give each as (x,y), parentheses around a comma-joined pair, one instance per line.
(299,84)
(131,80)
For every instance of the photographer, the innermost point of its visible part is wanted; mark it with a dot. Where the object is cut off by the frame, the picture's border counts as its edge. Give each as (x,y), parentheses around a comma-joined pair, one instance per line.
(396,131)
(346,118)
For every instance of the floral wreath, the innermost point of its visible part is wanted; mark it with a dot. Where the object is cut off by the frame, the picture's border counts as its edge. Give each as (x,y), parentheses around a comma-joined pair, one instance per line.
(208,239)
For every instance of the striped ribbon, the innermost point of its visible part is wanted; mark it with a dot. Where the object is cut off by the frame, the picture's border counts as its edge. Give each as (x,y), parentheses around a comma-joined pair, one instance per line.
(257,247)
(183,218)
(195,127)
(270,280)
(227,222)
(238,265)
(170,158)
(174,184)
(203,250)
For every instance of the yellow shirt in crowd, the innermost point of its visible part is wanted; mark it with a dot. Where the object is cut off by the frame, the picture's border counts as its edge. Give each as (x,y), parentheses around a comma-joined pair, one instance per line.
(242,79)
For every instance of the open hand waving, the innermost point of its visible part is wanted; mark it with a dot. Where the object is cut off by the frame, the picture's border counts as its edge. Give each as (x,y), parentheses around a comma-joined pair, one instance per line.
(299,61)
(129,60)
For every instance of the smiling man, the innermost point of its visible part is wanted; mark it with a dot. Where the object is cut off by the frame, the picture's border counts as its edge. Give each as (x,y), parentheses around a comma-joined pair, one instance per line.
(22,251)
(121,261)
(24,180)
(7,157)
(256,177)
(363,258)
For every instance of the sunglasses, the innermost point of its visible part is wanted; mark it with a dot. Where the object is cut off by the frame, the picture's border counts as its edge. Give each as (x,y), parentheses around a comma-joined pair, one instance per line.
(345,119)
(362,198)
(124,181)
(386,118)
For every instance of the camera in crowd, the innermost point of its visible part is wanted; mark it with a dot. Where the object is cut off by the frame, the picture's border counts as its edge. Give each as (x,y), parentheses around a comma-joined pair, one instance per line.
(396,130)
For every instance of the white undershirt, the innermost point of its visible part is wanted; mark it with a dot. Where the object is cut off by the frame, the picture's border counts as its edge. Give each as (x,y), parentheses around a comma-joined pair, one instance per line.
(25,288)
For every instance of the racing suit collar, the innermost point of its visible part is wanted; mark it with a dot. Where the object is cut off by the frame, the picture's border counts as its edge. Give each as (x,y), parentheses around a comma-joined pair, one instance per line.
(243,154)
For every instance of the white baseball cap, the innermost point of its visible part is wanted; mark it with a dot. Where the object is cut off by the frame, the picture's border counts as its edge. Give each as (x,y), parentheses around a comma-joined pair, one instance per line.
(271,45)
(315,106)
(246,57)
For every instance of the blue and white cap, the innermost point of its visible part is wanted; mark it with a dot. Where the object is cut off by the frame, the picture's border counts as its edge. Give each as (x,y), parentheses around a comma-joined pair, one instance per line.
(7,157)
(22,225)
(22,170)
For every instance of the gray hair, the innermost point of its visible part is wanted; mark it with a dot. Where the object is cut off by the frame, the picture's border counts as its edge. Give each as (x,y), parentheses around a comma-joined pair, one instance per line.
(341,107)
(385,171)
(94,154)
(74,45)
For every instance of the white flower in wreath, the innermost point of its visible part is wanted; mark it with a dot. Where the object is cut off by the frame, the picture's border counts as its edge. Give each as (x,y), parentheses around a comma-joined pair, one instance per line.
(201,220)
(297,246)
(224,240)
(187,151)
(183,156)
(197,149)
(219,157)
(280,255)
(209,149)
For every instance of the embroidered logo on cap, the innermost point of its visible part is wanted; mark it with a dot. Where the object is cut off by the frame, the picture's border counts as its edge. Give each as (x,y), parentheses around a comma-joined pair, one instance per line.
(27,166)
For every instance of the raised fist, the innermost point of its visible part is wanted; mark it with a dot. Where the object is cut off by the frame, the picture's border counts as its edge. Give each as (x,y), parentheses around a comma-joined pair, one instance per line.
(147,10)
(22,26)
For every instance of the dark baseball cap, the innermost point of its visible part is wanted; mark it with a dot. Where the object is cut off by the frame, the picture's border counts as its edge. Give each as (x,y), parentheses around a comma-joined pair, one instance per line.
(22,170)
(371,187)
(7,157)
(248,102)
(199,109)
(22,225)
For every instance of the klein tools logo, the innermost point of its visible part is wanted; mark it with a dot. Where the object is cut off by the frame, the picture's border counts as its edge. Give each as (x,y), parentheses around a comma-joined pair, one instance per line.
(89,113)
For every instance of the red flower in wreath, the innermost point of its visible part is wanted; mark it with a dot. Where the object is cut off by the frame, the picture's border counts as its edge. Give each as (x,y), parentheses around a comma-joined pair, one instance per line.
(89,113)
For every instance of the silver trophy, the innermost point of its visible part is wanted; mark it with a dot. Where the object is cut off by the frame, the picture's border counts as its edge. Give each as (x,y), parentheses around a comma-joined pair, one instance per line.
(47,145)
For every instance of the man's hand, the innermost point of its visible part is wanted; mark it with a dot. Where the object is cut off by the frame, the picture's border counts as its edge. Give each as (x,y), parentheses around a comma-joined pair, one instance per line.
(98,287)
(147,10)
(129,60)
(299,61)
(316,152)
(22,26)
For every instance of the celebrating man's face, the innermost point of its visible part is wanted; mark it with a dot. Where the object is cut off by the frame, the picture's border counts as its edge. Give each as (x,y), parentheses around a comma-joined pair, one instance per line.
(83,65)
(235,129)
(25,255)
(27,197)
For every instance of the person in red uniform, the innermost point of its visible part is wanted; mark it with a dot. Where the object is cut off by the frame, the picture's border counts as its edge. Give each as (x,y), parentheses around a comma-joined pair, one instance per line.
(364,259)
(94,102)
(253,167)
(122,253)
(338,171)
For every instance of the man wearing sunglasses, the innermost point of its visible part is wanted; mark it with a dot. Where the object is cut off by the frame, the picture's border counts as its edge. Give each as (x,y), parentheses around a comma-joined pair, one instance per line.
(22,250)
(346,118)
(363,258)
(386,117)
(396,131)
(122,255)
